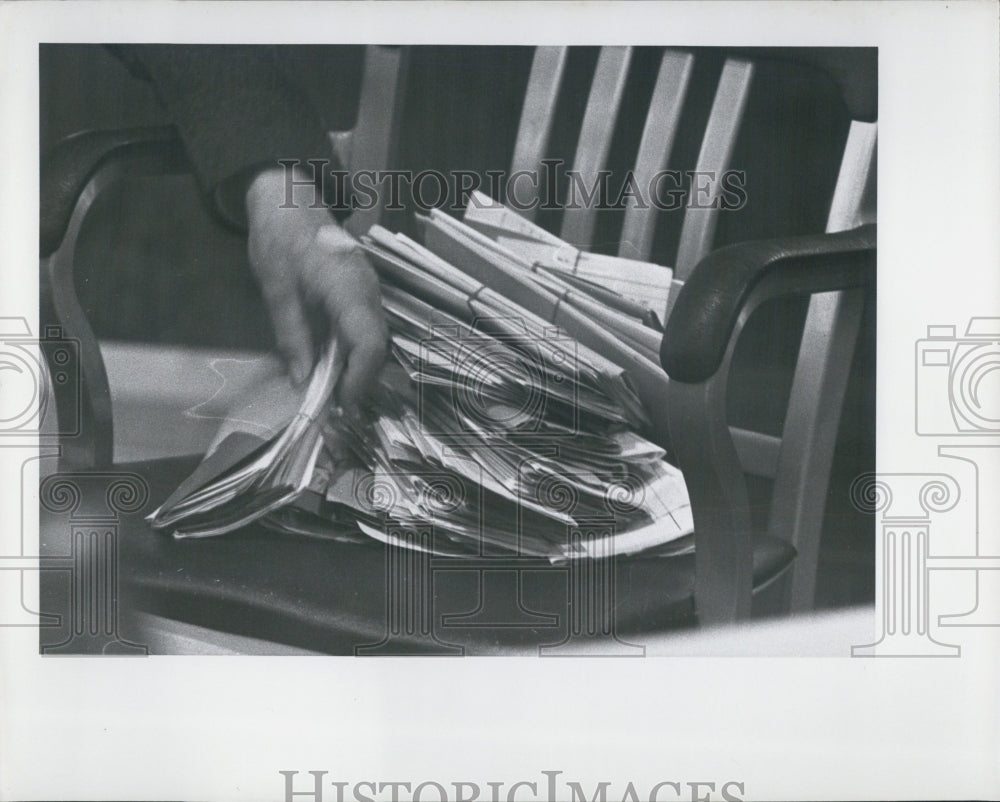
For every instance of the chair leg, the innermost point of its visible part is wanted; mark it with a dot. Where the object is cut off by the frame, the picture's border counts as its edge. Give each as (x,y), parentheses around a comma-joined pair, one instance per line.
(717,487)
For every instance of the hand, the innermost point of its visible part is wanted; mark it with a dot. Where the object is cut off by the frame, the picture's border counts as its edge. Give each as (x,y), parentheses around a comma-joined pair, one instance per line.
(307,265)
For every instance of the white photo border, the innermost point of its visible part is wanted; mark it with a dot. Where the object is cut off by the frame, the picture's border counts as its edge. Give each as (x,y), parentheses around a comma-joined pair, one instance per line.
(787,728)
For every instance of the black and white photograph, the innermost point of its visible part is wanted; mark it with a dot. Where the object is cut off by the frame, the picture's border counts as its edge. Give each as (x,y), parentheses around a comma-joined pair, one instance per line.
(536,312)
(368,339)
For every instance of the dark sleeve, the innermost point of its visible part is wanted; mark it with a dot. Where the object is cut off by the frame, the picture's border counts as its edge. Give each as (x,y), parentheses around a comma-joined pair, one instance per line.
(237,110)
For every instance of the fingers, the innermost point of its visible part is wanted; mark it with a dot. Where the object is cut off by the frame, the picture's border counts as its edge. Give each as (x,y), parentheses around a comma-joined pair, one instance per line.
(302,269)
(344,284)
(291,330)
(362,330)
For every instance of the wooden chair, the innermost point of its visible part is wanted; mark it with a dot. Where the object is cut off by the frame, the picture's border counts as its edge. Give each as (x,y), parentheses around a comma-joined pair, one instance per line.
(339,598)
(717,294)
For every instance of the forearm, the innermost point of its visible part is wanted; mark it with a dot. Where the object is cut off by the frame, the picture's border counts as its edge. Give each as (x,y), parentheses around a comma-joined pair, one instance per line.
(236,110)
(239,115)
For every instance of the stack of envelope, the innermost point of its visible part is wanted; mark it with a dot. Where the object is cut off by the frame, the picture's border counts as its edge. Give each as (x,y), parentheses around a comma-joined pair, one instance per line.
(519,412)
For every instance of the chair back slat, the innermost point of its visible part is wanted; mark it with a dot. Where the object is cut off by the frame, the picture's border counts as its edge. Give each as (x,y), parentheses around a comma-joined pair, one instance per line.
(379,114)
(537,117)
(698,230)
(853,201)
(596,131)
(809,436)
(655,147)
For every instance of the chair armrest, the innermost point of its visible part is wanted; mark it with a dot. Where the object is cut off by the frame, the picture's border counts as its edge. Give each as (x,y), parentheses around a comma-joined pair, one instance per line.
(697,350)
(67,168)
(732,281)
(73,175)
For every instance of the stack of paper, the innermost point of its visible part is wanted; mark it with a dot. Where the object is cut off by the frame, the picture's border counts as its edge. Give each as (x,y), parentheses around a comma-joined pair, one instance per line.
(517,414)
(638,288)
(254,478)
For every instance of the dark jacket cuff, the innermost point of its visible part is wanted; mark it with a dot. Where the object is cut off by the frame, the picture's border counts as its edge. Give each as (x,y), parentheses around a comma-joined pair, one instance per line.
(237,112)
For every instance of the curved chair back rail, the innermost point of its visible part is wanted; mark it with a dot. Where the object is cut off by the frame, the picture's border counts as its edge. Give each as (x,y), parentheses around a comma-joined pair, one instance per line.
(76,160)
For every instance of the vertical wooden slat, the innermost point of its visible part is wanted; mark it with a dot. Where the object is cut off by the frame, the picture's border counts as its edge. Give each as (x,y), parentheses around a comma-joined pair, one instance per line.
(820,381)
(723,126)
(596,132)
(537,116)
(853,201)
(655,147)
(374,141)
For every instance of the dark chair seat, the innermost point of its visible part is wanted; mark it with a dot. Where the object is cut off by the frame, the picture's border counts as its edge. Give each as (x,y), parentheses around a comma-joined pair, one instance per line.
(343,598)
